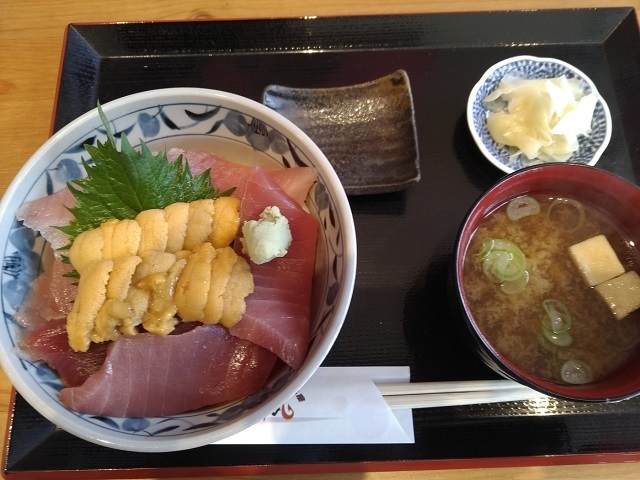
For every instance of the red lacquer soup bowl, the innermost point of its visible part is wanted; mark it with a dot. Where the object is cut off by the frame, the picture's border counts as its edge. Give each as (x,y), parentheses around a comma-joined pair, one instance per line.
(618,200)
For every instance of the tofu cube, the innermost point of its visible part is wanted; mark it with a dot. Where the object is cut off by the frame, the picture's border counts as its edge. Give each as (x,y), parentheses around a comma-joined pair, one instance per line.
(622,294)
(596,260)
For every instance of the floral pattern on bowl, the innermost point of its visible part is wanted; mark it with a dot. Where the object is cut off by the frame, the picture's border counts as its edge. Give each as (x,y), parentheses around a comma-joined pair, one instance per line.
(173,124)
(529,67)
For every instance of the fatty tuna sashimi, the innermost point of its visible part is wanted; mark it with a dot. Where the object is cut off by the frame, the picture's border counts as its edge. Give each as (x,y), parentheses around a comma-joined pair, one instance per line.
(50,343)
(46,213)
(149,375)
(50,296)
(295,182)
(278,312)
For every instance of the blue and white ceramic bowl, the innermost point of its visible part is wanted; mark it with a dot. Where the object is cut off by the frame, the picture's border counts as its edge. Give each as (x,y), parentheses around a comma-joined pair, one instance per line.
(196,119)
(591,147)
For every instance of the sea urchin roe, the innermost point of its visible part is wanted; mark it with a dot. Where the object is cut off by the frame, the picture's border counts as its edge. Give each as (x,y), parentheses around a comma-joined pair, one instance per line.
(540,118)
(176,227)
(129,280)
(159,294)
(160,315)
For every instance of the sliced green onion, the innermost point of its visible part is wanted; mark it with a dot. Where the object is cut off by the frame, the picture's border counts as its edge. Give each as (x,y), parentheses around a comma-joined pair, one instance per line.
(502,260)
(506,245)
(557,317)
(499,266)
(521,207)
(566,219)
(544,343)
(576,372)
(563,339)
(516,286)
(494,244)
(485,248)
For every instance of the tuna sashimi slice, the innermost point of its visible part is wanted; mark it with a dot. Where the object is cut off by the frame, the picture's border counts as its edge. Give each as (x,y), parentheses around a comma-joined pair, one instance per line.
(279,310)
(295,182)
(46,213)
(51,344)
(50,296)
(149,375)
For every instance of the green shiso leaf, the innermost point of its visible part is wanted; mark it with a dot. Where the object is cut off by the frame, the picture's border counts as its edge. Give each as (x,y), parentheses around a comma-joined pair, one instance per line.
(122,183)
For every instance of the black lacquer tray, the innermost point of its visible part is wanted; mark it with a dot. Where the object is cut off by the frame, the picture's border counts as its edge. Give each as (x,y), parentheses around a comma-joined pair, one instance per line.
(399,313)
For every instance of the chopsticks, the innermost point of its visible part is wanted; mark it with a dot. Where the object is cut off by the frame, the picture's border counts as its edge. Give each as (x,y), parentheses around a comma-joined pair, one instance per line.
(445,394)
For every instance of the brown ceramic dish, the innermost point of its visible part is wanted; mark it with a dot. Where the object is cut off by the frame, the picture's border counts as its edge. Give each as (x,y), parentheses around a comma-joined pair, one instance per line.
(367,131)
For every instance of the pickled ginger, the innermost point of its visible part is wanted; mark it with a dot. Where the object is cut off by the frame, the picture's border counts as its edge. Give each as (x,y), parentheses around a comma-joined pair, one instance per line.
(540,118)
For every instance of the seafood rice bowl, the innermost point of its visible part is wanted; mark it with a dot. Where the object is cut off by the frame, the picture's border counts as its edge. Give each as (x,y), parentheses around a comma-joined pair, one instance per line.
(177,264)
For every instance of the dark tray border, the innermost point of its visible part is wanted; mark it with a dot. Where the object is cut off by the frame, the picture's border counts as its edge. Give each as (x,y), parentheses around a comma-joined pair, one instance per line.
(606,28)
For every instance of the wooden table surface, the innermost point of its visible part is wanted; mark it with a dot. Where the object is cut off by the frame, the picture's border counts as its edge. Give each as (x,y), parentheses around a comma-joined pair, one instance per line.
(31,37)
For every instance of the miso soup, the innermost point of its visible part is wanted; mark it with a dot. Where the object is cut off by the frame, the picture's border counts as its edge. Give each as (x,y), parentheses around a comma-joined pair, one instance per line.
(512,310)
